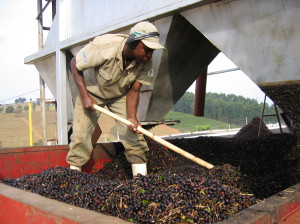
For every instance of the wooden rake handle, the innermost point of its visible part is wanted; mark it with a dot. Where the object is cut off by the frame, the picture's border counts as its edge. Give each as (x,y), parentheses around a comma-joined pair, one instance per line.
(156,138)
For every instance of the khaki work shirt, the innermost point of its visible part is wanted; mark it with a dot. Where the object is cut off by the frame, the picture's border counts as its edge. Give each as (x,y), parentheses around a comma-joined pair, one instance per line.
(102,66)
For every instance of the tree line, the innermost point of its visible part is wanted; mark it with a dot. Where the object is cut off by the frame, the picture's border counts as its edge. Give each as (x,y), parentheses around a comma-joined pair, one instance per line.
(229,108)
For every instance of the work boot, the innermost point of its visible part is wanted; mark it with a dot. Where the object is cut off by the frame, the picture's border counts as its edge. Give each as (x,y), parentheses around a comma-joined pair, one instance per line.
(139,168)
(78,168)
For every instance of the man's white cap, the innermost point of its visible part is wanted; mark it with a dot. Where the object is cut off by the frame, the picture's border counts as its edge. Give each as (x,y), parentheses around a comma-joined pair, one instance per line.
(143,29)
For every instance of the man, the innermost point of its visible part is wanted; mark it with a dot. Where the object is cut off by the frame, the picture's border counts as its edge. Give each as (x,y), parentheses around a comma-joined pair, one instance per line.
(109,71)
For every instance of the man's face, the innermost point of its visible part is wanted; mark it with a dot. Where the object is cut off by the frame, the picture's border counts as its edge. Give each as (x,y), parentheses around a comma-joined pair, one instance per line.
(142,53)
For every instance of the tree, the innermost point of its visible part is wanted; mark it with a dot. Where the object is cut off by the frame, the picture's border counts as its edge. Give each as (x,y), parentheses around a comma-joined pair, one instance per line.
(9,109)
(20,100)
(230,108)
(185,104)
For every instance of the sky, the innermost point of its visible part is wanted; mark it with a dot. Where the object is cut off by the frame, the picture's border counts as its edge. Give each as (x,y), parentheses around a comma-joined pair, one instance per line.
(19,39)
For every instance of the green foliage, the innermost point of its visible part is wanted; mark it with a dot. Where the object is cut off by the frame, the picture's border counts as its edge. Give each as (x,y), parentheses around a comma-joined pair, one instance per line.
(202,127)
(231,109)
(20,100)
(9,109)
(185,103)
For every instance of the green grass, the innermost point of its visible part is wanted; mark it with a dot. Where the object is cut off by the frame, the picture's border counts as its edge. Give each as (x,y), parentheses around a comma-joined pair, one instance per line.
(189,123)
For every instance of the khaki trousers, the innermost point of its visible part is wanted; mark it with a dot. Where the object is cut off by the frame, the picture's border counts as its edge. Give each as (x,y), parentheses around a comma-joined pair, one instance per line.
(84,124)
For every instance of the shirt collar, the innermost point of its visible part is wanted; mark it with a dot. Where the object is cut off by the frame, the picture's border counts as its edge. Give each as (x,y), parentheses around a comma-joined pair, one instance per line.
(119,56)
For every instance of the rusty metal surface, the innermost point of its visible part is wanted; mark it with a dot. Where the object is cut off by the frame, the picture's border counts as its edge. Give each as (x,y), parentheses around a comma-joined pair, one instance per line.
(26,207)
(18,162)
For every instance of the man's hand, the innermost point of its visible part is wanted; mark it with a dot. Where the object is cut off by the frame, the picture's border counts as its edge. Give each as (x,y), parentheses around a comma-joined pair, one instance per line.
(135,125)
(132,100)
(88,102)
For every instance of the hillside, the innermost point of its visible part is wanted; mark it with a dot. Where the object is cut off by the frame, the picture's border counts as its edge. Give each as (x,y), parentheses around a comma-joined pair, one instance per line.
(189,123)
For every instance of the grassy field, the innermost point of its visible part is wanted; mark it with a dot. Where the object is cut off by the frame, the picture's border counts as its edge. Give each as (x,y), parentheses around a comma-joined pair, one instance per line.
(14,128)
(190,123)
